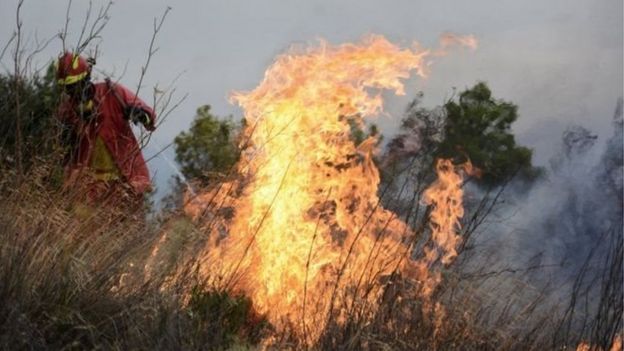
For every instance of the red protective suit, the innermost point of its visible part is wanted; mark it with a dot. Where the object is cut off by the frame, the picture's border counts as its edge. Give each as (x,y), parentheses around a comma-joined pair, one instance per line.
(108,123)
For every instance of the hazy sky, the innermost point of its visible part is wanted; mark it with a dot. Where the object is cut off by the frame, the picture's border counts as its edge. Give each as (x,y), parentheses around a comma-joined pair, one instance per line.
(559,60)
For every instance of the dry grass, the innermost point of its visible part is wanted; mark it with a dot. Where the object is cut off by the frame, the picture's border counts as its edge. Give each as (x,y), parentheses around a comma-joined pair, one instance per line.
(73,278)
(76,278)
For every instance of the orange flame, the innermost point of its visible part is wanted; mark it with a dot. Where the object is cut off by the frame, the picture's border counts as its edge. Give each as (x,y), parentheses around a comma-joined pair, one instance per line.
(445,196)
(308,231)
(616,345)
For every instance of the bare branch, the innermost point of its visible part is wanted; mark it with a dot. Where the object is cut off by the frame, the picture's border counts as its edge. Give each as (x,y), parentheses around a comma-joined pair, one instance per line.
(151,50)
(5,48)
(94,30)
(17,77)
(63,33)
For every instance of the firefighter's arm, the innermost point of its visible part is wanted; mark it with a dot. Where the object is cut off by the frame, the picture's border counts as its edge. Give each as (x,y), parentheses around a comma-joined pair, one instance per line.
(136,110)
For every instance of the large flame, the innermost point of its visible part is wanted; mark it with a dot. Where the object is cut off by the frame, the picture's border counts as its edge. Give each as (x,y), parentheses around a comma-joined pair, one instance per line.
(307,232)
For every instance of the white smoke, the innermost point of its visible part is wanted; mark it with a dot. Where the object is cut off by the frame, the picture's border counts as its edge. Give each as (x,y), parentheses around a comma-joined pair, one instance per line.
(553,238)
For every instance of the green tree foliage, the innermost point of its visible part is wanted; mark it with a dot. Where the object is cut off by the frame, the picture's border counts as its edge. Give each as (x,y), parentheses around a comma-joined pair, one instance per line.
(38,99)
(477,127)
(208,148)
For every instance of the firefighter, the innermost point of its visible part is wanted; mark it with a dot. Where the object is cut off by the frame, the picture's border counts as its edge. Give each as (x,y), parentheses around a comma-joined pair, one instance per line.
(103,156)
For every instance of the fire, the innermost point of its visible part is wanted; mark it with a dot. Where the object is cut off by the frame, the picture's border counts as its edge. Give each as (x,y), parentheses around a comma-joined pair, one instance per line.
(445,196)
(616,345)
(308,233)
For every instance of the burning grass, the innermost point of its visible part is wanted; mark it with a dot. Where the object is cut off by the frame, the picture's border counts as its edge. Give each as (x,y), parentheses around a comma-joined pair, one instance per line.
(293,250)
(309,239)
(70,281)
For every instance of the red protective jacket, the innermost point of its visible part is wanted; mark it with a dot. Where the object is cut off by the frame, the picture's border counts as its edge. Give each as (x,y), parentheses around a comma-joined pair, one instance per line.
(110,125)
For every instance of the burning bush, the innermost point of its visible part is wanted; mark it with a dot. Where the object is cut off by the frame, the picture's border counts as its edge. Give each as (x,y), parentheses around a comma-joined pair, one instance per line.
(308,240)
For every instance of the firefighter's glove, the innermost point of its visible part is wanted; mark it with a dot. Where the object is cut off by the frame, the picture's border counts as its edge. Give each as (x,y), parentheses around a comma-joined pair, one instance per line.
(137,115)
